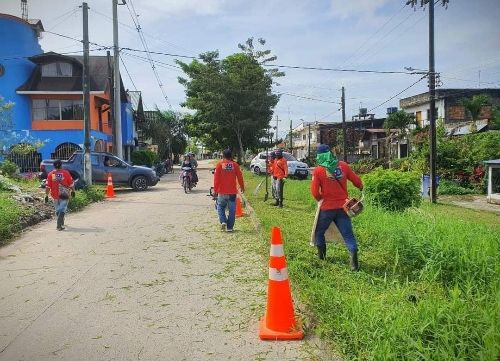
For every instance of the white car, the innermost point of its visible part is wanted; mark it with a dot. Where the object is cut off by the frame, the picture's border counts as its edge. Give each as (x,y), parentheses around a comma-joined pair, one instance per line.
(295,168)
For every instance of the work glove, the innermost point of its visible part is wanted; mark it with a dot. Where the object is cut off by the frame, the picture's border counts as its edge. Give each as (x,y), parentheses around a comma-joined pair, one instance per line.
(72,194)
(46,199)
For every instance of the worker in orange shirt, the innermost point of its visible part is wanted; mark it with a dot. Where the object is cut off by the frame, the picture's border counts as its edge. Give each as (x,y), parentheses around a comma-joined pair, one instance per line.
(270,162)
(280,172)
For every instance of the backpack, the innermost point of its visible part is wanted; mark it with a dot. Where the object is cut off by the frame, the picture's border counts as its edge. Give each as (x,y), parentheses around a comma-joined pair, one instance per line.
(63,190)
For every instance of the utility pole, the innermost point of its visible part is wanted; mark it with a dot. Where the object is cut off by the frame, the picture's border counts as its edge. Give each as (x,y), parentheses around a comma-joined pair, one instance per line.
(277,120)
(117,141)
(111,99)
(309,146)
(343,127)
(87,164)
(291,143)
(432,93)
(432,98)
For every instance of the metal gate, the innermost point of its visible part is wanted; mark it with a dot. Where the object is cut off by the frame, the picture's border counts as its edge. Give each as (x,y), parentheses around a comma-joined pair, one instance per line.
(25,156)
(64,151)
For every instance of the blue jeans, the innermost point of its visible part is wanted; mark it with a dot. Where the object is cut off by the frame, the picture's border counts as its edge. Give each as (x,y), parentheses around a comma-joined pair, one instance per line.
(343,223)
(61,205)
(229,201)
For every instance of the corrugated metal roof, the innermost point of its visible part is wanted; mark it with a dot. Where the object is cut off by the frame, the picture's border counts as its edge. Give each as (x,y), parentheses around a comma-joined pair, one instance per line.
(466,129)
(492,162)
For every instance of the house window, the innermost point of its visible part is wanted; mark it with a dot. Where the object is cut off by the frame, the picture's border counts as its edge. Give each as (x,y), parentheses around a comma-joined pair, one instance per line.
(55,109)
(304,137)
(418,118)
(57,70)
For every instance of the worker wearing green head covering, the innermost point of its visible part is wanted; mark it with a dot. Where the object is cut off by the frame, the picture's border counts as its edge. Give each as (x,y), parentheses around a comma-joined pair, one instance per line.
(326,159)
(329,185)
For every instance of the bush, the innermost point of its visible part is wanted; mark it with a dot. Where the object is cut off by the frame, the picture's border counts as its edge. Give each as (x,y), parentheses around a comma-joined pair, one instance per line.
(448,188)
(393,190)
(8,168)
(366,165)
(144,157)
(10,220)
(84,197)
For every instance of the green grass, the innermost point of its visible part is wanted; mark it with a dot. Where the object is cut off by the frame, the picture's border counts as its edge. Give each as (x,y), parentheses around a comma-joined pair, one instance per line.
(429,285)
(11,211)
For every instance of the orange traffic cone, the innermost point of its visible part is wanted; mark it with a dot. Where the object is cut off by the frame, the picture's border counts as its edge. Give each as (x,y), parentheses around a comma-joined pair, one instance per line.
(279,322)
(110,192)
(239,210)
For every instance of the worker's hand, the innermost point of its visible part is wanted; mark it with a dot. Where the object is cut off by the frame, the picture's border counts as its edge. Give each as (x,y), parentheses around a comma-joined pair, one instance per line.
(46,199)
(242,190)
(72,194)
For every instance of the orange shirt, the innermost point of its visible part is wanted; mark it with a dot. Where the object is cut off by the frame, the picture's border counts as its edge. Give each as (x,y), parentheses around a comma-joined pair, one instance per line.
(225,176)
(280,168)
(270,166)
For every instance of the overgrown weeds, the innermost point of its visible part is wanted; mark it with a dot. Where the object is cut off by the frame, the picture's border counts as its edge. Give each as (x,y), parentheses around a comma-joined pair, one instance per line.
(429,285)
(16,214)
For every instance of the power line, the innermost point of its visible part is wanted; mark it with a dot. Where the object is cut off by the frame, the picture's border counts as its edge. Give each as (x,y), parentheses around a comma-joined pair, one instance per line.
(147,34)
(401,92)
(143,40)
(305,97)
(283,66)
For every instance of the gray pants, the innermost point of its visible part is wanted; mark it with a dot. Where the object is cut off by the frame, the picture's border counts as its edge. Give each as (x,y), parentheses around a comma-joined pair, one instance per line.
(277,189)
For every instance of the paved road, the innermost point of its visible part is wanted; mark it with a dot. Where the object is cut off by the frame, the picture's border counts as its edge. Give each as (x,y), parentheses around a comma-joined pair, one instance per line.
(143,276)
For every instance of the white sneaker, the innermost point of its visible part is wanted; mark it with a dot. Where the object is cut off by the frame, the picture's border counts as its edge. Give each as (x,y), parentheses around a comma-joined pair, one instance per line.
(229,231)
(223,226)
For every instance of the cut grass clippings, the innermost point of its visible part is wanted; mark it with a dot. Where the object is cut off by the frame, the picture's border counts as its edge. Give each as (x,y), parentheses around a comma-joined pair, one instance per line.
(429,285)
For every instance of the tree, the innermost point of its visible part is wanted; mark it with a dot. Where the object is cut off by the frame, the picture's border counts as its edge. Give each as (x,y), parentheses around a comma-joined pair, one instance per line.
(474,106)
(399,120)
(26,144)
(6,123)
(232,98)
(167,129)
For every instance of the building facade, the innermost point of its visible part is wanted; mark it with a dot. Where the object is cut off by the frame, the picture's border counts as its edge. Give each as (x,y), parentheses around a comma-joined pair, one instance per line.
(47,92)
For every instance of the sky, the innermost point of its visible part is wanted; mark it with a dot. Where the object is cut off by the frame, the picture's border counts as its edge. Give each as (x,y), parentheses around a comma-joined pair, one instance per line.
(348,37)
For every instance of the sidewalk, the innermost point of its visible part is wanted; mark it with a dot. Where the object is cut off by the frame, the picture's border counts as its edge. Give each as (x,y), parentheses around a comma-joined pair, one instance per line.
(143,276)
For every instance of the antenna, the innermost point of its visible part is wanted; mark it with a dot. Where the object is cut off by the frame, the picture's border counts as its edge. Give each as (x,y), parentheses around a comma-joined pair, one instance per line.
(24,8)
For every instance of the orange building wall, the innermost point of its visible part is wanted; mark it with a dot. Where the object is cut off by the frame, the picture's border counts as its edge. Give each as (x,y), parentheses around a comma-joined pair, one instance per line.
(73,124)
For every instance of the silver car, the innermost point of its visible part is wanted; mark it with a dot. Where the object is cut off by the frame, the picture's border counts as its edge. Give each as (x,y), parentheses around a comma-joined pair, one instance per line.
(296,168)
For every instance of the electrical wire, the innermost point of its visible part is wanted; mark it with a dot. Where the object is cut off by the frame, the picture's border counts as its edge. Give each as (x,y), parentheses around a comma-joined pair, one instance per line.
(74,11)
(401,92)
(144,43)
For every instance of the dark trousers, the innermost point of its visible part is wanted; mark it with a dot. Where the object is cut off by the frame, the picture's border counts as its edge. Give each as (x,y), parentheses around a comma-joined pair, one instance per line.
(343,223)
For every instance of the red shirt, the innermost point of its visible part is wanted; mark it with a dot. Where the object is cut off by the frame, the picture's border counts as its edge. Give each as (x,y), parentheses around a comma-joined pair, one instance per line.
(333,192)
(226,174)
(58,176)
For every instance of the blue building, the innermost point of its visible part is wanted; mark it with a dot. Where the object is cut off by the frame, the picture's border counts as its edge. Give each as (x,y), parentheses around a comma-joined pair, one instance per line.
(47,89)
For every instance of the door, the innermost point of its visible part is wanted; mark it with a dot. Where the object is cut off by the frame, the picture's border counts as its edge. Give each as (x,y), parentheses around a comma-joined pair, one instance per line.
(118,169)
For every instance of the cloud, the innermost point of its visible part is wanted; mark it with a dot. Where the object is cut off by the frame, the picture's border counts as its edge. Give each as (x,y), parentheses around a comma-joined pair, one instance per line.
(356,8)
(171,9)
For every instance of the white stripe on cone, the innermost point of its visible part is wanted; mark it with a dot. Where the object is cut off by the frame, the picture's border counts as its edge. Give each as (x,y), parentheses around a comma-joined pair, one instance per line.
(278,274)
(277,250)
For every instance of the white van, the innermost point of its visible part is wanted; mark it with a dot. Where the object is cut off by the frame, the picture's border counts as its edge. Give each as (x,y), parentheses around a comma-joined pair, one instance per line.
(296,169)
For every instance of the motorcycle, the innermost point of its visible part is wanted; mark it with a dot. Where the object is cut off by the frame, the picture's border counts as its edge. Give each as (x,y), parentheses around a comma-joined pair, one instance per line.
(160,169)
(186,177)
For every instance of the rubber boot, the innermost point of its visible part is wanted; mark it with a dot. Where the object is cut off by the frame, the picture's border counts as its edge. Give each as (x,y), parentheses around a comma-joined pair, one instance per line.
(353,255)
(60,221)
(322,252)
(276,203)
(280,204)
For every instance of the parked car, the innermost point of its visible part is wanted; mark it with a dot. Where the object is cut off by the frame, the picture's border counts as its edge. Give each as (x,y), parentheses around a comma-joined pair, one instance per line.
(296,168)
(137,177)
